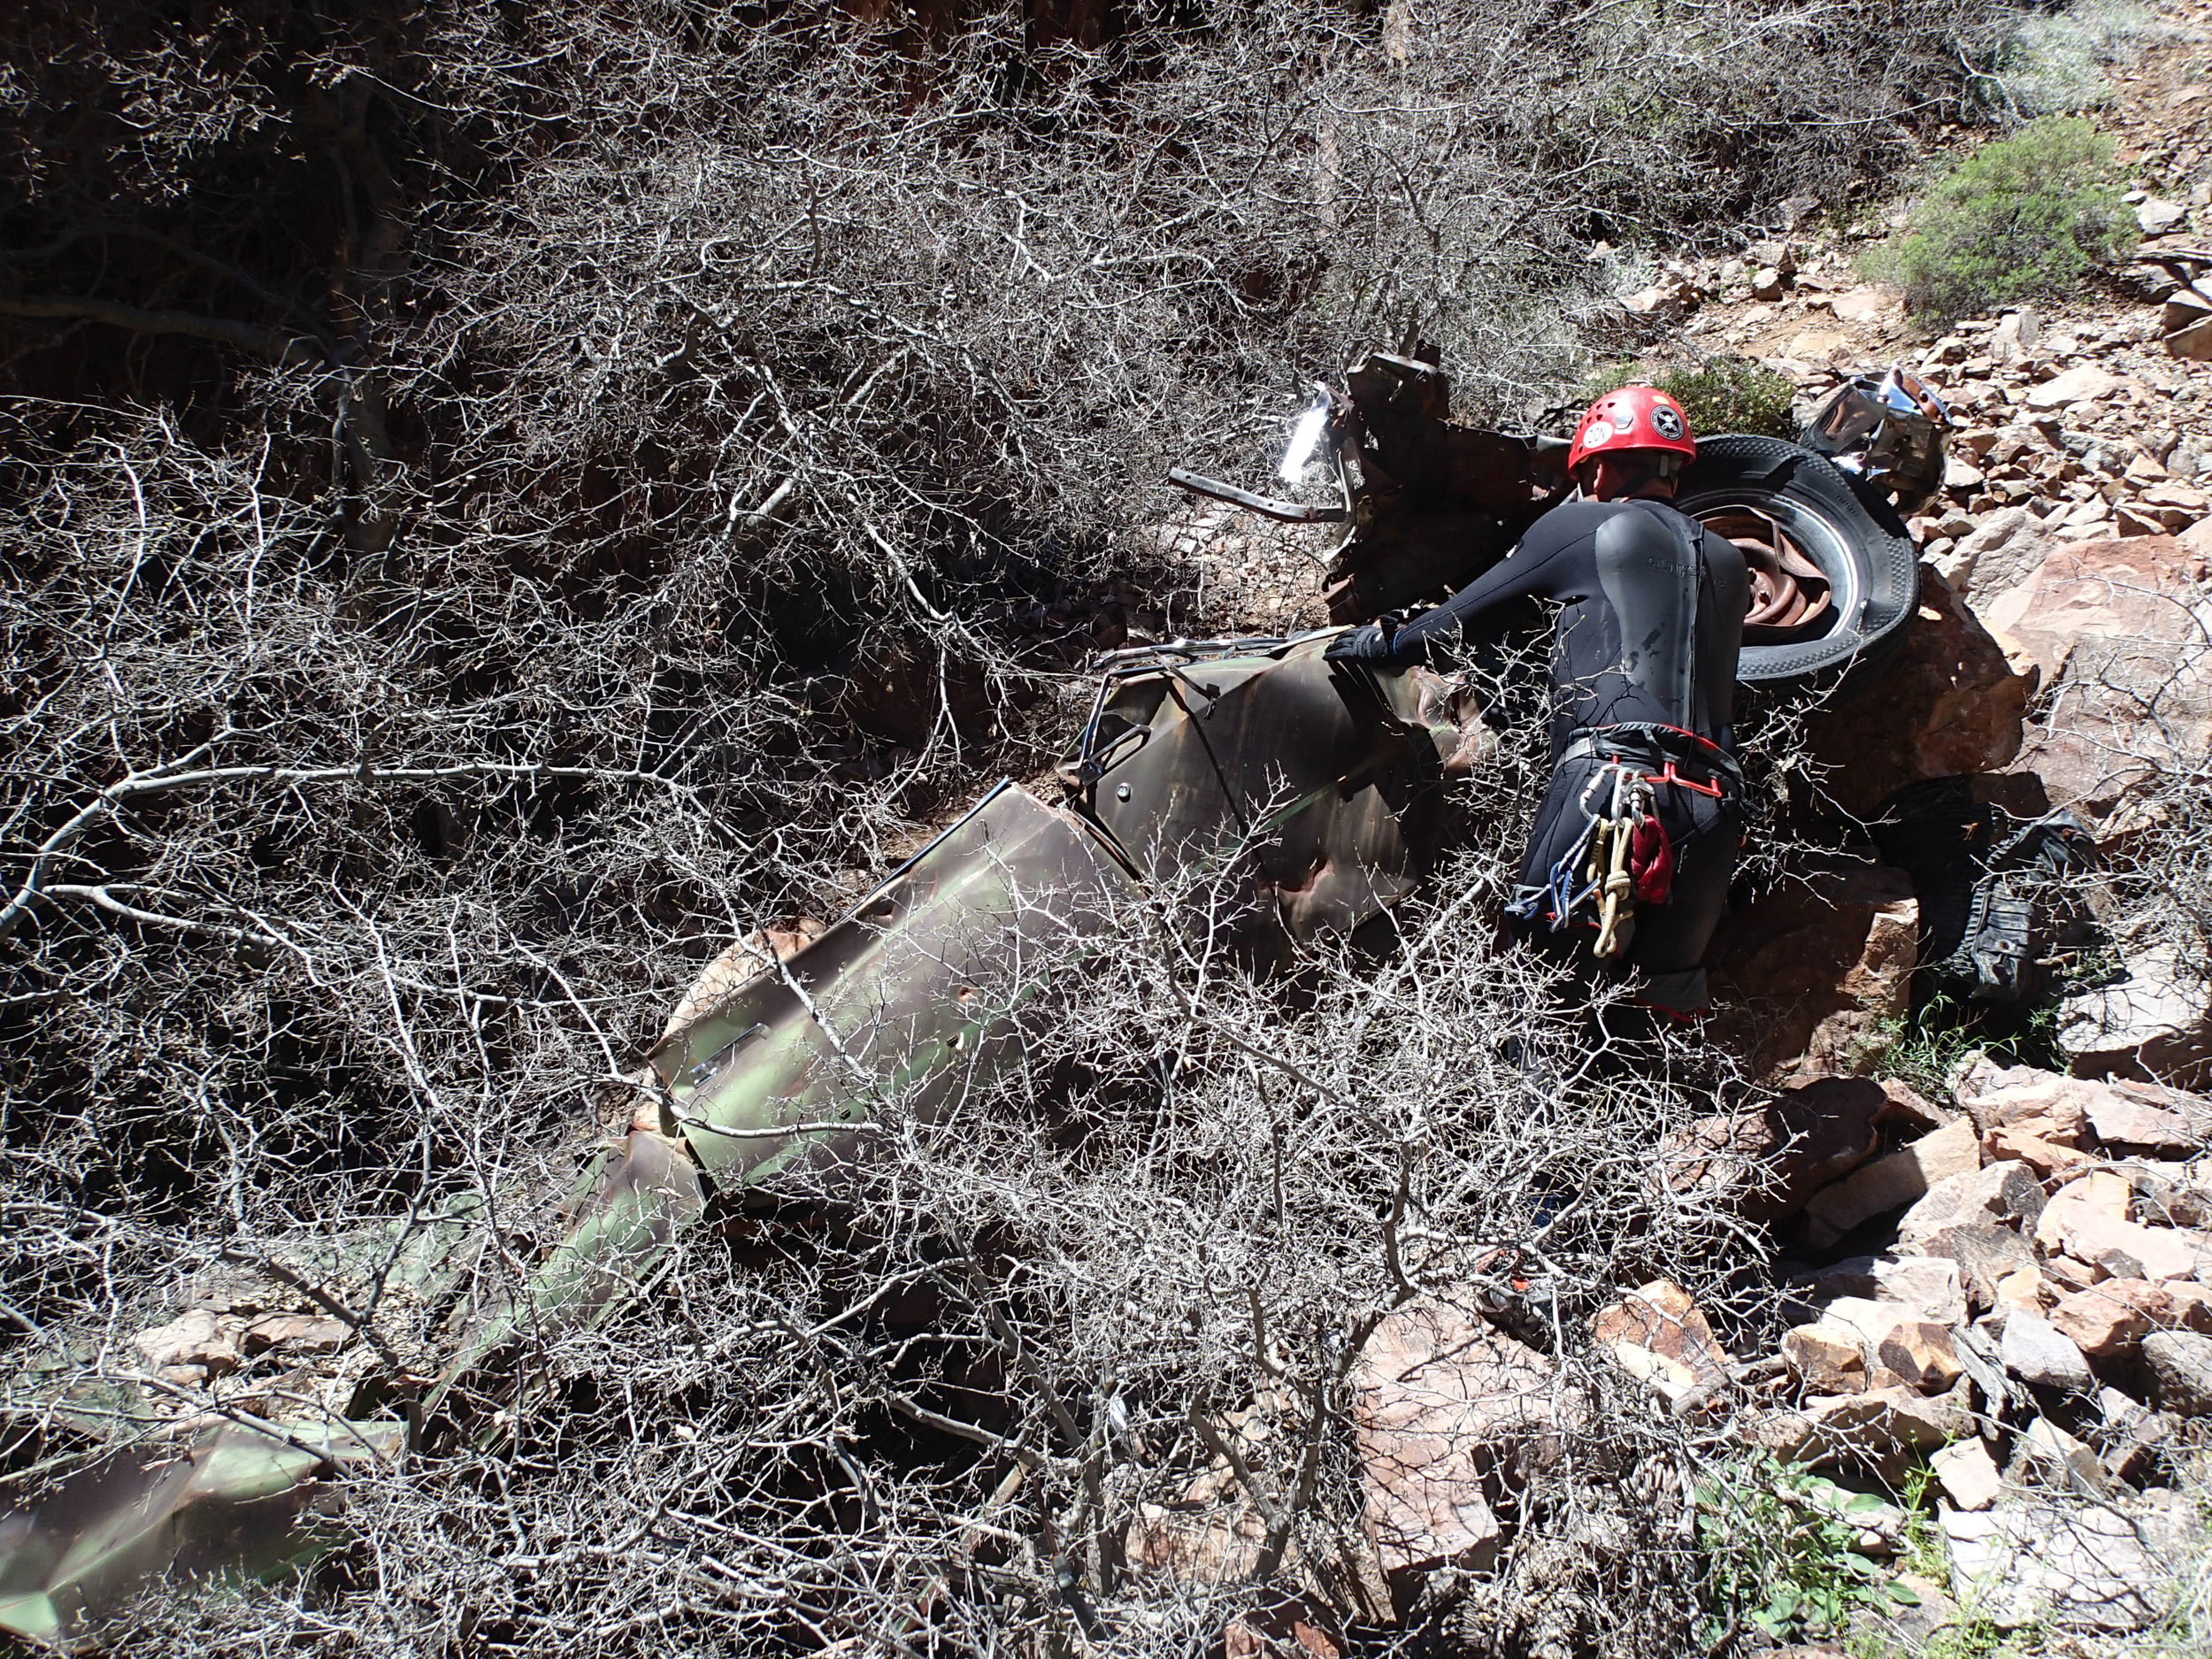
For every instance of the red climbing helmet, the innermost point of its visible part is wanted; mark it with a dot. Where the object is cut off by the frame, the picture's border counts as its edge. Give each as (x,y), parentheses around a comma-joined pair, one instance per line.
(1633,418)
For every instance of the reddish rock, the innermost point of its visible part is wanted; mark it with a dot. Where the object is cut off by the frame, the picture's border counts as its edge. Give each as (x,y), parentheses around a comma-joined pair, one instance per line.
(195,1338)
(1988,1256)
(1882,1428)
(1894,1339)
(1804,981)
(2031,1103)
(296,1334)
(1948,702)
(1826,1357)
(2046,1158)
(1931,1286)
(2108,1320)
(1999,1195)
(1659,1334)
(1449,1416)
(1766,1163)
(2110,626)
(1902,1177)
(2088,1230)
(2142,1118)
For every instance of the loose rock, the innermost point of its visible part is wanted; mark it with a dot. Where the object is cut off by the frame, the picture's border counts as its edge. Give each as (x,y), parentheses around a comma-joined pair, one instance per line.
(1968,1474)
(1658,1334)
(2106,1320)
(2033,1562)
(2180,1364)
(1887,1183)
(2039,1353)
(2002,1195)
(1448,1414)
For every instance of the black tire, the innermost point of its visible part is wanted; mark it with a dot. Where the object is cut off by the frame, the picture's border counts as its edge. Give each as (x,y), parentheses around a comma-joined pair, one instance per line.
(1854,535)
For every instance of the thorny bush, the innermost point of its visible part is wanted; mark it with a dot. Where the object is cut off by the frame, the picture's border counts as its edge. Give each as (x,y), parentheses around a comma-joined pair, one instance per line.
(501,499)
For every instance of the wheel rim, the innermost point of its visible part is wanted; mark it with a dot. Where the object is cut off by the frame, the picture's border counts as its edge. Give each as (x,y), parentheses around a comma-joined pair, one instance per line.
(1808,580)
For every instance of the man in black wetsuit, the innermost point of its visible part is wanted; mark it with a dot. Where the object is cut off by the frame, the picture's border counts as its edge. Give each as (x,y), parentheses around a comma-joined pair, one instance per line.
(1635,842)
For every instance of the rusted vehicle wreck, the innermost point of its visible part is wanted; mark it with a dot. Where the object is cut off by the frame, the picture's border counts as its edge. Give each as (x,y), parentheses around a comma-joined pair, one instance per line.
(1316,787)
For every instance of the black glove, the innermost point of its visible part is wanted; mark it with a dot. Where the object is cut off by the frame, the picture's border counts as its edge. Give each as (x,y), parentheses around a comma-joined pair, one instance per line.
(1370,642)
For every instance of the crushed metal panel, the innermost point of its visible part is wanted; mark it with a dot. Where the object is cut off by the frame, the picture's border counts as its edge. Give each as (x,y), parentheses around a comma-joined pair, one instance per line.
(237,1500)
(882,1009)
(1325,774)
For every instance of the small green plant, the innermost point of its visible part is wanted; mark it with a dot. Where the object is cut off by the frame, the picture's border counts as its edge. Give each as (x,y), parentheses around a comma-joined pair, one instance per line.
(1724,395)
(2021,217)
(1924,1553)
(1778,1546)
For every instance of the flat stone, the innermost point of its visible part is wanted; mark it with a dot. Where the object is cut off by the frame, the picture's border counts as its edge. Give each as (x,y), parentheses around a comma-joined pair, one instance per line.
(2192,341)
(2157,216)
(1998,554)
(2124,1120)
(2031,1561)
(2159,1017)
(2085,383)
(2119,1248)
(1448,1416)
(2103,623)
(1999,1195)
(1863,304)
(2038,1352)
(2046,1159)
(2027,1289)
(194,1337)
(2106,1320)
(296,1334)
(1968,1474)
(2045,1105)
(1886,1184)
(1928,1286)
(2180,1363)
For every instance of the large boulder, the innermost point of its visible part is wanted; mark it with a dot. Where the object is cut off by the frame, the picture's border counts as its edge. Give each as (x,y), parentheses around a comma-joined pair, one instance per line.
(1449,1417)
(1948,702)
(2154,1021)
(1806,978)
(1999,553)
(2117,631)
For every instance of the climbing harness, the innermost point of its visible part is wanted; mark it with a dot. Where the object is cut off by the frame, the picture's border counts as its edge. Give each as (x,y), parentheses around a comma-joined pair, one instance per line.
(1622,856)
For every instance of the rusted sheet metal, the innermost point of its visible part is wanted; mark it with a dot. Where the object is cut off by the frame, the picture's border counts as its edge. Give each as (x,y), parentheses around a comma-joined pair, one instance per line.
(239,1500)
(1311,785)
(881,1014)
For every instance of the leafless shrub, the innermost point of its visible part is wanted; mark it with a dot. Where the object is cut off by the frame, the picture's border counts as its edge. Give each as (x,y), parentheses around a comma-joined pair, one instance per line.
(501,502)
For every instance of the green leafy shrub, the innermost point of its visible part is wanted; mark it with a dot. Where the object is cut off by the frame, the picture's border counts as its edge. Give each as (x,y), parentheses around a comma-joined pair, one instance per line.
(1724,395)
(1778,1546)
(2021,217)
